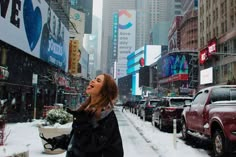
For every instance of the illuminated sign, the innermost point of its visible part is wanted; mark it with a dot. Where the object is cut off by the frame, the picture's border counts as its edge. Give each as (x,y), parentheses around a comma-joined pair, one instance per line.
(211,47)
(203,56)
(141,62)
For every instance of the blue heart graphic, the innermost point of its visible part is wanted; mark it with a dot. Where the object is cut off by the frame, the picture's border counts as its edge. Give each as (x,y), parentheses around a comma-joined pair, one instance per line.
(33,23)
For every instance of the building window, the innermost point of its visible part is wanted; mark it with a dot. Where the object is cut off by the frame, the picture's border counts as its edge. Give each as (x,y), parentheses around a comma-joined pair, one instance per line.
(210,20)
(225,26)
(222,28)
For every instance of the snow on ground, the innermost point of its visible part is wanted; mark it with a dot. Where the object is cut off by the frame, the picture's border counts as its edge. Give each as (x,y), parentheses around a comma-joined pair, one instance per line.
(163,142)
(25,136)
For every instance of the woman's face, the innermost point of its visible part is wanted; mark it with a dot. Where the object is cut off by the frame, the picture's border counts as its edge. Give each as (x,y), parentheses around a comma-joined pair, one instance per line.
(95,86)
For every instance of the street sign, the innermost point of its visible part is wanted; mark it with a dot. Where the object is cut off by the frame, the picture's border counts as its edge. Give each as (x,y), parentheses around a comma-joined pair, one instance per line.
(35,79)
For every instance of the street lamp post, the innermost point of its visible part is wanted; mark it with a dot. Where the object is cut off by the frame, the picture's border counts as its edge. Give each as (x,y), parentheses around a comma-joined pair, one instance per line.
(35,82)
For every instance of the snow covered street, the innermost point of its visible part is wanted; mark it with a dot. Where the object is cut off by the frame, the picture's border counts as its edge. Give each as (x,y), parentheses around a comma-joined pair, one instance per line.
(140,139)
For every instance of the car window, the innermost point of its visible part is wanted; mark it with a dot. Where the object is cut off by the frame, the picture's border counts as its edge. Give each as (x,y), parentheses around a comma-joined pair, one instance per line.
(179,102)
(223,94)
(200,98)
(232,94)
(142,103)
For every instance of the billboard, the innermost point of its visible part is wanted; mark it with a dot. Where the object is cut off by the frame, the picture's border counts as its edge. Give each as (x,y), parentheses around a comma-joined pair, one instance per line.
(77,24)
(126,39)
(206,76)
(175,64)
(87,7)
(35,29)
(152,54)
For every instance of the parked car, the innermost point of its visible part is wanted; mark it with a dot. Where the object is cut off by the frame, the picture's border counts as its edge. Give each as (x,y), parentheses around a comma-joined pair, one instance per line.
(170,108)
(146,108)
(211,115)
(119,103)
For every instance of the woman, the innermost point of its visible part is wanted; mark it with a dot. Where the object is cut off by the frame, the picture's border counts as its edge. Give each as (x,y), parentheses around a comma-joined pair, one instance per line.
(95,131)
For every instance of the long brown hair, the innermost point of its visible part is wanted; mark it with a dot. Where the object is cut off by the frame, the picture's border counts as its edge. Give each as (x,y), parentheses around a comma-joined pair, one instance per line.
(109,93)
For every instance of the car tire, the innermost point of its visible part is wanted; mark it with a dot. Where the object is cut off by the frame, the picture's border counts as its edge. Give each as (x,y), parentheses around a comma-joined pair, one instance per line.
(153,121)
(219,144)
(184,131)
(161,124)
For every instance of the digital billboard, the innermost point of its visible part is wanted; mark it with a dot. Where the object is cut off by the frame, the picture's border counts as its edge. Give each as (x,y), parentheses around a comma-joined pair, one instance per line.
(175,64)
(114,35)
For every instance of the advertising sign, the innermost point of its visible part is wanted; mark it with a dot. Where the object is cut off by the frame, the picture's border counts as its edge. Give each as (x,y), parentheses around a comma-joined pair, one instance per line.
(114,35)
(206,76)
(35,29)
(175,64)
(211,47)
(126,39)
(152,54)
(203,56)
(77,24)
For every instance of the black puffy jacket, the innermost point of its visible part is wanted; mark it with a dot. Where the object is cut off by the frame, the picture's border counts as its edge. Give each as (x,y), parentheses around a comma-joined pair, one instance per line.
(89,140)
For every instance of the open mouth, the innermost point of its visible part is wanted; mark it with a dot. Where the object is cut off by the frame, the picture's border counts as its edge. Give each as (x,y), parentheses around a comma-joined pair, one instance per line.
(90,86)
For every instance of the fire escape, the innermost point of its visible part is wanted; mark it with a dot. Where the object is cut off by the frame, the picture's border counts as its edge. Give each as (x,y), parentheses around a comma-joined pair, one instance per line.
(193,70)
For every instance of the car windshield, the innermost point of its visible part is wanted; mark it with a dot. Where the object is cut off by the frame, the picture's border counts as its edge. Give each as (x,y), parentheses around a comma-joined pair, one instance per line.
(179,102)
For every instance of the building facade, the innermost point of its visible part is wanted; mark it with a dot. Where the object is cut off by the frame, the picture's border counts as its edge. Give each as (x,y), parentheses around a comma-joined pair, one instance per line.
(217,39)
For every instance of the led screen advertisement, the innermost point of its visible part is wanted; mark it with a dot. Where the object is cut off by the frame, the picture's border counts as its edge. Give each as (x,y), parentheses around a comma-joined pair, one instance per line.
(114,35)
(35,29)
(175,64)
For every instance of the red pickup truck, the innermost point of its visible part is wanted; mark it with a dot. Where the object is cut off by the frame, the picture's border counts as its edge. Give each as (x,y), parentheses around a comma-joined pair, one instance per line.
(212,115)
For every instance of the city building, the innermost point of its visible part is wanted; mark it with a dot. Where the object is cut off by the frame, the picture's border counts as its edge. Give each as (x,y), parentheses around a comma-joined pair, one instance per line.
(140,72)
(217,41)
(162,14)
(142,23)
(189,31)
(92,43)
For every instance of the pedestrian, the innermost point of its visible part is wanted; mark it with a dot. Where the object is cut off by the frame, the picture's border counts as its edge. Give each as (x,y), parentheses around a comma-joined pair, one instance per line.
(95,131)
(124,106)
